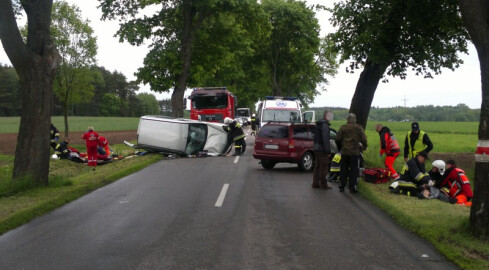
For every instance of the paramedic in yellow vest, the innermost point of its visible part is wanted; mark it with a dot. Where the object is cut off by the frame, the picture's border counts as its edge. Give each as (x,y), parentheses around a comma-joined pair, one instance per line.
(416,141)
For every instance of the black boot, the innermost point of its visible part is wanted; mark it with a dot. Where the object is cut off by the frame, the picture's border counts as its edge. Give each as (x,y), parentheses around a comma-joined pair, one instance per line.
(237,152)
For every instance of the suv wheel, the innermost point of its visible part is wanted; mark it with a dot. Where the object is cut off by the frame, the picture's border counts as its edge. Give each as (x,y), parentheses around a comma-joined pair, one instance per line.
(267,164)
(307,162)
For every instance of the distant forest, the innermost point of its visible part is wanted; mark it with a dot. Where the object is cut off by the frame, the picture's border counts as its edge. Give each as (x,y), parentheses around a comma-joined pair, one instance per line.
(110,95)
(459,113)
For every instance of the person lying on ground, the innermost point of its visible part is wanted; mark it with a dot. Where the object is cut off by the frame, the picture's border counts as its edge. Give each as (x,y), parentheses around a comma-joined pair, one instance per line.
(65,152)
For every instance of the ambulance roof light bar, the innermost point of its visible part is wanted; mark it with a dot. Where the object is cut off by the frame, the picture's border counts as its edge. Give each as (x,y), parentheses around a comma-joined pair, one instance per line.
(283,98)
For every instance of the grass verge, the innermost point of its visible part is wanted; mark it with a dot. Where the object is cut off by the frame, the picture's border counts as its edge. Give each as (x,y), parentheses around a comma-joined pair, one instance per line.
(68,181)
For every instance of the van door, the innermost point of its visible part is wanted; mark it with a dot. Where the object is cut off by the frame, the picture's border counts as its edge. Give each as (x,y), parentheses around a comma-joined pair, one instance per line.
(309,117)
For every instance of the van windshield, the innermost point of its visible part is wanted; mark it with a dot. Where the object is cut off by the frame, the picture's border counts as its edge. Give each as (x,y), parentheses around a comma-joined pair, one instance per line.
(245,113)
(197,136)
(280,116)
(210,102)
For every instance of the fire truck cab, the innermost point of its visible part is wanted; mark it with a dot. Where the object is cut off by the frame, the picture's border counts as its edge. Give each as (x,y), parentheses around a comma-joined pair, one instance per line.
(212,104)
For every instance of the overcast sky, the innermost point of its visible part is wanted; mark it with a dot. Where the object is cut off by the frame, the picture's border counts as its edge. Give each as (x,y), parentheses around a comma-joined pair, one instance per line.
(450,88)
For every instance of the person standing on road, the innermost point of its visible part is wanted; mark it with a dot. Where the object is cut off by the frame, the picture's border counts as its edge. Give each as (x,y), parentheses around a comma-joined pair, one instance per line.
(389,146)
(415,142)
(91,141)
(350,138)
(237,135)
(322,151)
(253,124)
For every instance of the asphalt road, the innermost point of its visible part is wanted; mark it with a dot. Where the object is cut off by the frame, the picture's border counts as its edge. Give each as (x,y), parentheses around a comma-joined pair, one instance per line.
(173,215)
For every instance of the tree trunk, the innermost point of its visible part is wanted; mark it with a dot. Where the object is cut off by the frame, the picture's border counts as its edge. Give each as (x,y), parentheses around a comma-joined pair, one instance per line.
(475,14)
(35,63)
(365,91)
(186,53)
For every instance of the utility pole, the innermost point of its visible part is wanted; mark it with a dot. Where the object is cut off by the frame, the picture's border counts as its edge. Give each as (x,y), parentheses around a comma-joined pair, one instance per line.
(404,99)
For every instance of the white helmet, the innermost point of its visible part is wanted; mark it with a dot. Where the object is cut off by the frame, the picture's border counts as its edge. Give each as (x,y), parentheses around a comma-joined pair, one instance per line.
(440,164)
(228,120)
(54,156)
(253,115)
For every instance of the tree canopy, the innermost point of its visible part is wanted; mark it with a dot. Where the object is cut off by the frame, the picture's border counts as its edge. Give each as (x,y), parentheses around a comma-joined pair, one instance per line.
(389,37)
(253,48)
(78,48)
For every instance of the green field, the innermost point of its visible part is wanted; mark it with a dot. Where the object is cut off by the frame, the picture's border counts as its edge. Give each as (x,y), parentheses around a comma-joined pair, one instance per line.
(447,137)
(77,123)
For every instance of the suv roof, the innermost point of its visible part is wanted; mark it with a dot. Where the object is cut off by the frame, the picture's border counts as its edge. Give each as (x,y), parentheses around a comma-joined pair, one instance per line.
(289,123)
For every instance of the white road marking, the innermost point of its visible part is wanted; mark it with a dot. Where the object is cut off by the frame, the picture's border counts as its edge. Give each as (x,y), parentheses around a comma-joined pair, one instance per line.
(123,201)
(221,197)
(236,159)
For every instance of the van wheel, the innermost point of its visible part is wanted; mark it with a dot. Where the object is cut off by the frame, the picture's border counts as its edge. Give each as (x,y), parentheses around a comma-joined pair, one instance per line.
(307,162)
(267,164)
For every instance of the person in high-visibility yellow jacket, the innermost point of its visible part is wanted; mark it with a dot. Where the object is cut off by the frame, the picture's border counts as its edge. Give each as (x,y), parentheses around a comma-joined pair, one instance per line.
(415,142)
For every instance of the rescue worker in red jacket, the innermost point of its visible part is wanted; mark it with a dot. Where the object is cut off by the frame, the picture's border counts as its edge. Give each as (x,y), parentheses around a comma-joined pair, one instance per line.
(103,146)
(389,146)
(91,141)
(456,184)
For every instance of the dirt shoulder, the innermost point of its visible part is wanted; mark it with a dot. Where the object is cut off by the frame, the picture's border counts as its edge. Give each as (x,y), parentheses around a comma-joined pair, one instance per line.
(8,141)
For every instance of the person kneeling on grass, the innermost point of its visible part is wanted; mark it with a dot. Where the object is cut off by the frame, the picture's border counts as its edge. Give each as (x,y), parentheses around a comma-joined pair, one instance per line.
(413,178)
(456,185)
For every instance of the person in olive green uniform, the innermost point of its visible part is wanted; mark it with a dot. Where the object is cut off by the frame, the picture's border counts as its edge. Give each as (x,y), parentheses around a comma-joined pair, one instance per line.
(351,139)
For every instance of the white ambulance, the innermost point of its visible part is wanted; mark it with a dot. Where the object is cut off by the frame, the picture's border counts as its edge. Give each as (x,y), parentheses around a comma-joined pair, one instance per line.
(283,109)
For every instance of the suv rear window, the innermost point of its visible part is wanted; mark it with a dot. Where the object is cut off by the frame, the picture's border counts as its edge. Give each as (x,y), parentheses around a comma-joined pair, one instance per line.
(270,131)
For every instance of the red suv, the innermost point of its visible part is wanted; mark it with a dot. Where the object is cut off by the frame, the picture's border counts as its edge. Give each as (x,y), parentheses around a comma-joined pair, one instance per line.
(287,142)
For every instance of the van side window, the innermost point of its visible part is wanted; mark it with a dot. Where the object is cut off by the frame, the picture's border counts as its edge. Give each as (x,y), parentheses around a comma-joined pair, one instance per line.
(300,133)
(310,134)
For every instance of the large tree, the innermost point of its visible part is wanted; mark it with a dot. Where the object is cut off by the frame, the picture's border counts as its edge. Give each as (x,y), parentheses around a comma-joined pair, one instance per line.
(295,54)
(476,18)
(172,30)
(390,37)
(78,48)
(35,61)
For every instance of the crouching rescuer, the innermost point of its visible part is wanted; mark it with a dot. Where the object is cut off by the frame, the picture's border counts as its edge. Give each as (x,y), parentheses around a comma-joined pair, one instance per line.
(237,135)
(413,176)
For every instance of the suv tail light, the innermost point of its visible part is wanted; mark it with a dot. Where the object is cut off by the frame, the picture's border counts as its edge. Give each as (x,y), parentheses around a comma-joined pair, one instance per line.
(291,145)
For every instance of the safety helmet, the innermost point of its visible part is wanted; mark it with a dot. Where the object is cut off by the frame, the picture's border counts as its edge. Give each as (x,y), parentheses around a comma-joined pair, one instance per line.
(228,120)
(253,115)
(54,156)
(440,164)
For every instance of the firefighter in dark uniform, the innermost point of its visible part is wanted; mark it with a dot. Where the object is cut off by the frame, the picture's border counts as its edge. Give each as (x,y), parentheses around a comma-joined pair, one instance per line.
(413,178)
(254,123)
(54,136)
(237,135)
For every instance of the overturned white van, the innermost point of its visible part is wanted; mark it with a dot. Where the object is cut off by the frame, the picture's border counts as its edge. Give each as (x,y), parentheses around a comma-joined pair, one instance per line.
(182,136)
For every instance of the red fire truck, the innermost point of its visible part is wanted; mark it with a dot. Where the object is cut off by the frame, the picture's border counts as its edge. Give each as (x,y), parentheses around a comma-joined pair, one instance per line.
(212,104)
